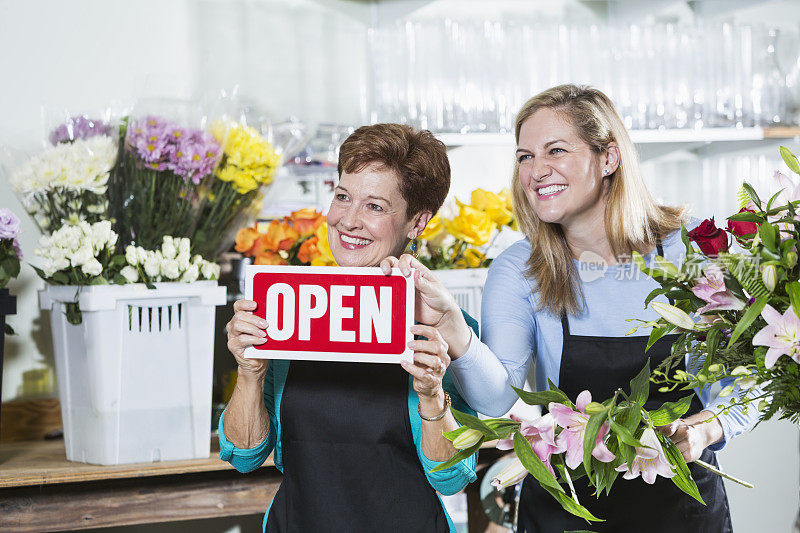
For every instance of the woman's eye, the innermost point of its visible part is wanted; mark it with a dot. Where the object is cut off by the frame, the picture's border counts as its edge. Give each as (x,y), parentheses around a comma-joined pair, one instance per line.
(375,207)
(556,150)
(341,197)
(523,157)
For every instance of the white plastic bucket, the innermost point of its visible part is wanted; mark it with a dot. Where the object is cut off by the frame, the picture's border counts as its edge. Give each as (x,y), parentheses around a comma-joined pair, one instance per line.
(135,376)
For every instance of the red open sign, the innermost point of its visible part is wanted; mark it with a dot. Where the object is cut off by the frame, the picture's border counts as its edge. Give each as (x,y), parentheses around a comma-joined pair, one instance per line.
(332,313)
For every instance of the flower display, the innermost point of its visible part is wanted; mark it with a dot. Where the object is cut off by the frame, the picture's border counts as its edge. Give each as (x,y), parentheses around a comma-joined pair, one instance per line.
(156,188)
(462,241)
(248,164)
(66,183)
(172,262)
(299,239)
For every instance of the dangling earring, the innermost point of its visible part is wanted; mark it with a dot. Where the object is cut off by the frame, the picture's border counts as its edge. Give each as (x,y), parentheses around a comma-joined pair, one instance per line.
(413,246)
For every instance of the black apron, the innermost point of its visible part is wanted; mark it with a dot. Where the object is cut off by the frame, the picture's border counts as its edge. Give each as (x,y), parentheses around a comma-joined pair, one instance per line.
(601,365)
(349,460)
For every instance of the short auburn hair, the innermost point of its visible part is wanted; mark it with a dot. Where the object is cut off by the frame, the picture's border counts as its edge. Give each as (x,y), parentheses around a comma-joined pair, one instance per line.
(417,157)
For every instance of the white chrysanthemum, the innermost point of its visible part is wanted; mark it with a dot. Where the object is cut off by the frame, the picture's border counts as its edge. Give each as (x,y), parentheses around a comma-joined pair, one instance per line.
(210,270)
(130,274)
(92,267)
(191,274)
(169,269)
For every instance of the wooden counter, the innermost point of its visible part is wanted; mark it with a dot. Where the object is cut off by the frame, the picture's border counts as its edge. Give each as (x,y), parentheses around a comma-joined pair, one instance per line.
(41,491)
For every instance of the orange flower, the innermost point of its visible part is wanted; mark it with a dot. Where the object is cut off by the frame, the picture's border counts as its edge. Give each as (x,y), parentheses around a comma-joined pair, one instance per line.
(278,236)
(306,221)
(269,258)
(308,250)
(245,239)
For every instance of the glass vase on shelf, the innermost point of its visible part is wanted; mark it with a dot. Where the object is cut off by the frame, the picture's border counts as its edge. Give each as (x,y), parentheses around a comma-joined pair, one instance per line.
(769,85)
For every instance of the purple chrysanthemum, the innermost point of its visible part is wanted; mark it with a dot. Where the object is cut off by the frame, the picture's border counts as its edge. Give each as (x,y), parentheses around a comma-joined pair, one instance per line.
(79,127)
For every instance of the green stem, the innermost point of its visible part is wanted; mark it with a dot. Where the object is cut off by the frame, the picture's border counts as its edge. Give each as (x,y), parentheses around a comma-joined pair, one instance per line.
(719,472)
(571,486)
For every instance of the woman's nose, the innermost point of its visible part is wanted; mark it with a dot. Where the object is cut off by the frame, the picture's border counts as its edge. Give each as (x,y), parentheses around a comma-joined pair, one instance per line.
(539,170)
(350,218)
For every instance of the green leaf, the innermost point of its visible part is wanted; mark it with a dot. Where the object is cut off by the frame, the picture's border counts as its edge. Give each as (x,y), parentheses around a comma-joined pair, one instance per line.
(767,233)
(793,290)
(504,427)
(624,434)
(655,292)
(457,458)
(473,422)
(790,159)
(682,478)
(751,192)
(590,438)
(640,386)
(749,317)
(656,334)
(542,397)
(552,386)
(686,242)
(99,280)
(572,507)
(772,200)
(626,451)
(746,217)
(671,411)
(533,464)
(451,435)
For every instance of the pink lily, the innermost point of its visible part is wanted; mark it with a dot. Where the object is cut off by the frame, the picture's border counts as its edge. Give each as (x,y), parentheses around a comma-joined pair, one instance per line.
(541,434)
(649,462)
(781,334)
(574,424)
(712,289)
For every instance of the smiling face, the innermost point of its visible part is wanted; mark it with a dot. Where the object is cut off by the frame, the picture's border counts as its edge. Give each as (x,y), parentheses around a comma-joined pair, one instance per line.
(561,175)
(367,218)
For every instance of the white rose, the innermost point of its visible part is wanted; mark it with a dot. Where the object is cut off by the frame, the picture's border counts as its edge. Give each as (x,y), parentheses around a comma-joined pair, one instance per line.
(49,268)
(191,274)
(92,267)
(169,269)
(130,274)
(60,263)
(141,255)
(83,255)
(210,270)
(131,256)
(197,259)
(152,266)
(183,261)
(168,248)
(101,234)
(184,245)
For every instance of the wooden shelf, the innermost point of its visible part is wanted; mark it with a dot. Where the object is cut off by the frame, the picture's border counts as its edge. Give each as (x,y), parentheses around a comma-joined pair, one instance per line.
(44,463)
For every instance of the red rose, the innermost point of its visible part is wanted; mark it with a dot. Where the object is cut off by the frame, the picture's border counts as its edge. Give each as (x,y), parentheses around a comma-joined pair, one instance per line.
(709,237)
(740,228)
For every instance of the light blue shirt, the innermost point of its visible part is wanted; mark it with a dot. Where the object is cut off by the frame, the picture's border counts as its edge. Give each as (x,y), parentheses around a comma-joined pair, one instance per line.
(514,333)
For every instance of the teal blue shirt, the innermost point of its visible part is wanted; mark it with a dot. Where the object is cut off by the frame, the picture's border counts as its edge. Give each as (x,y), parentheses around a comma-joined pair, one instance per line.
(448,481)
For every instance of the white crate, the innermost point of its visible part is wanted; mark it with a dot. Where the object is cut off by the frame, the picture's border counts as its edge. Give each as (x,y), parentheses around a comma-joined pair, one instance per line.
(135,376)
(466,286)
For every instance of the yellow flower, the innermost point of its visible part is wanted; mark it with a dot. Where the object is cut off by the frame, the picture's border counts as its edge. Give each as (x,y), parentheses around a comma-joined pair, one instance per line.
(326,256)
(494,205)
(471,225)
(434,228)
(250,161)
(472,258)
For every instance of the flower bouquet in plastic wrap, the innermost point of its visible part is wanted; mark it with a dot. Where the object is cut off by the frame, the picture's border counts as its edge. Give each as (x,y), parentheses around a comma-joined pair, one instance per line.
(67,181)
(165,159)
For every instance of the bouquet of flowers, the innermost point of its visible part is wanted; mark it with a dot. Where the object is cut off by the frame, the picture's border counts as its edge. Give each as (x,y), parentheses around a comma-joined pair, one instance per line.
(299,239)
(156,189)
(67,182)
(85,254)
(747,304)
(248,164)
(463,240)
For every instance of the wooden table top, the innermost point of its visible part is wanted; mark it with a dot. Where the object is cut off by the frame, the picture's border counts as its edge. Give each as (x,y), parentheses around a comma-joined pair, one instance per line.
(25,464)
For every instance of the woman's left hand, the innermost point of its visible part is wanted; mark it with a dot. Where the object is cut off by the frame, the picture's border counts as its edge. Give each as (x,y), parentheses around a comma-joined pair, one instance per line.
(693,434)
(430,361)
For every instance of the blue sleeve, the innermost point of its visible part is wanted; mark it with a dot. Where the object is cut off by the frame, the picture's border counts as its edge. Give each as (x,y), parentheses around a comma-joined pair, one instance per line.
(485,373)
(247,460)
(450,480)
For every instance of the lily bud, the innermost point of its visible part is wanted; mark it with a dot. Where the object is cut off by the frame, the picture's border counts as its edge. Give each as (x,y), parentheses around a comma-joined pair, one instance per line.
(673,315)
(762,405)
(726,391)
(791,259)
(740,371)
(467,439)
(716,367)
(769,275)
(592,408)
(510,475)
(667,267)
(747,383)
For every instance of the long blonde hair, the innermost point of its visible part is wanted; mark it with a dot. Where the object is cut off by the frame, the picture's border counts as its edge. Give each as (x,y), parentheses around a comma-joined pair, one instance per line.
(633,220)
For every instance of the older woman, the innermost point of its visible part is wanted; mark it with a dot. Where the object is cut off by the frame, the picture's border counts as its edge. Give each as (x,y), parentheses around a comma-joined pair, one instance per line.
(579,196)
(356,442)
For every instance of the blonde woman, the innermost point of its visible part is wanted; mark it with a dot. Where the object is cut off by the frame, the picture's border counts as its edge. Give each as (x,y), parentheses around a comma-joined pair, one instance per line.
(560,299)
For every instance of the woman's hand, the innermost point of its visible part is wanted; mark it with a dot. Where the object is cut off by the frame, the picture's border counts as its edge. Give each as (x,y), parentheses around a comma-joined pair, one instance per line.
(435,305)
(246,329)
(693,434)
(430,363)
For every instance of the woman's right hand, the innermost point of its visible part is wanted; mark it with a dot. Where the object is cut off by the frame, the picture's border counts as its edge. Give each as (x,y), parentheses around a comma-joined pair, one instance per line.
(435,306)
(246,329)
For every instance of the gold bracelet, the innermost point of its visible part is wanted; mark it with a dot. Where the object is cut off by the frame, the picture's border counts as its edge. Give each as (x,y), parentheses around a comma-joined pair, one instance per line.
(440,415)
